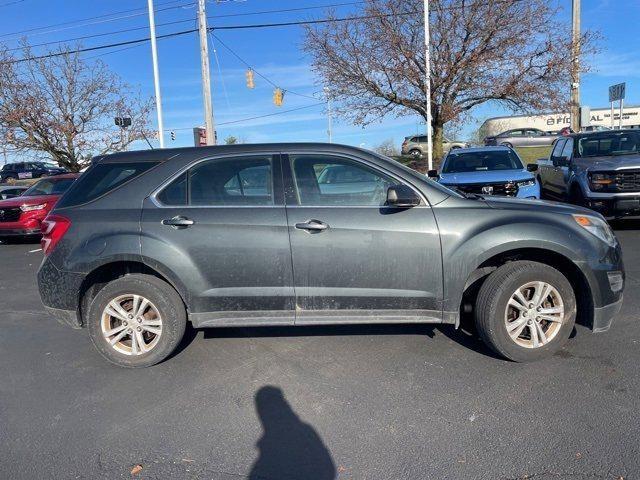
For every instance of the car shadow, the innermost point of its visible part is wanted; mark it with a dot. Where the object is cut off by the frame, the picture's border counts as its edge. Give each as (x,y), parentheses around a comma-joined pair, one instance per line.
(288,447)
(625,223)
(31,240)
(464,336)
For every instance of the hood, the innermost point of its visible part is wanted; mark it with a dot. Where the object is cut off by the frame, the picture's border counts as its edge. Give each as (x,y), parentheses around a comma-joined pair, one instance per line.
(608,163)
(485,177)
(512,203)
(37,200)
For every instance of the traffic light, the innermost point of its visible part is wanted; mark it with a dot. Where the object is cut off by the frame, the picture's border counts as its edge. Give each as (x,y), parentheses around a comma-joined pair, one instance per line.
(278,97)
(173,135)
(250,82)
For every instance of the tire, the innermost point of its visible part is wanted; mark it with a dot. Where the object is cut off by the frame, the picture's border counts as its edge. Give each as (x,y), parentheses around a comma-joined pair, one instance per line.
(10,179)
(506,144)
(415,153)
(493,311)
(165,314)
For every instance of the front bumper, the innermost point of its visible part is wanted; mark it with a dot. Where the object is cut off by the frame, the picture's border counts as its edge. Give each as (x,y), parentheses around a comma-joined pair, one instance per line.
(615,207)
(603,316)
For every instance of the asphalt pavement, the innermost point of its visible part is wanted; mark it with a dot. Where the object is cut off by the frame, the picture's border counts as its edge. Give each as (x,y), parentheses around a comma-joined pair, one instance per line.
(361,402)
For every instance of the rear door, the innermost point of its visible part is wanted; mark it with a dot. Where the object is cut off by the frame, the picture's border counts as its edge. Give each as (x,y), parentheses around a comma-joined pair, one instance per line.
(355,259)
(220,227)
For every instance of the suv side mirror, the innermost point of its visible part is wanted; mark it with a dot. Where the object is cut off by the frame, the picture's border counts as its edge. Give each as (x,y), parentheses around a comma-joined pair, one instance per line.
(402,196)
(532,167)
(432,174)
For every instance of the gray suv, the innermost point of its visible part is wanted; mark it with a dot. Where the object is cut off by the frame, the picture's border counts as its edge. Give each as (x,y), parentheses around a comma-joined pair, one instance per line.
(417,146)
(313,234)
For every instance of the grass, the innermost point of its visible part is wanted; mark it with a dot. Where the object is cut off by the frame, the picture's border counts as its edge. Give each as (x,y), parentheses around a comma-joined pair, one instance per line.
(531,154)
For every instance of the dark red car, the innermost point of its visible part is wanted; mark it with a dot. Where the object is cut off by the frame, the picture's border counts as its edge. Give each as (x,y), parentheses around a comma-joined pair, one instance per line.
(21,216)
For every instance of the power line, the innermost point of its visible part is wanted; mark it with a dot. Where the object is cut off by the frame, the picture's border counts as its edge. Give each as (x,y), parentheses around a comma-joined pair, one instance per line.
(106,17)
(264,77)
(247,119)
(176,22)
(227,27)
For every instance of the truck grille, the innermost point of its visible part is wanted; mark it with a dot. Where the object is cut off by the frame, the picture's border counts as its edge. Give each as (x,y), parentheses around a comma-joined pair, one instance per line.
(627,181)
(10,214)
(508,189)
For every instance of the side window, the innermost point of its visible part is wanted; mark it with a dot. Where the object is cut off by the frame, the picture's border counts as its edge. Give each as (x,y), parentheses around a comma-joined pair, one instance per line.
(515,133)
(557,148)
(324,180)
(567,151)
(175,194)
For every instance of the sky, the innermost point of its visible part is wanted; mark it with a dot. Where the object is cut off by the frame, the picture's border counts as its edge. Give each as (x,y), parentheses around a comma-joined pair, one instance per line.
(275,53)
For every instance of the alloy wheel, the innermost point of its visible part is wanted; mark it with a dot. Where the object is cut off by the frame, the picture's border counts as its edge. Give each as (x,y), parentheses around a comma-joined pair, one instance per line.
(131,324)
(534,314)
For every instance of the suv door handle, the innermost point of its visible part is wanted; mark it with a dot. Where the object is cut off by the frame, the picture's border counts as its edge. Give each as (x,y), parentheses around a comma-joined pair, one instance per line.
(178,222)
(312,226)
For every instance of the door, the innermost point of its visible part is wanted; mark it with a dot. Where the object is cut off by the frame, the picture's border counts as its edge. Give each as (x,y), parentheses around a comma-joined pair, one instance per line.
(562,169)
(221,229)
(354,259)
(550,175)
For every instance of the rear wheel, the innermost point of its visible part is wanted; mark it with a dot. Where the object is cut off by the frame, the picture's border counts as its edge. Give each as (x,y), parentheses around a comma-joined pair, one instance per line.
(525,311)
(415,153)
(506,144)
(136,320)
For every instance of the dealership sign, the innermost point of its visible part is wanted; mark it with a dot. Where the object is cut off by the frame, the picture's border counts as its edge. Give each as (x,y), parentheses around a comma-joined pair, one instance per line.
(616,92)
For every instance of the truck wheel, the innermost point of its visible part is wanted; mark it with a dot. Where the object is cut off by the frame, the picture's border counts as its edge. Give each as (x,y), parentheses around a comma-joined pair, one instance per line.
(576,197)
(415,153)
(136,320)
(525,311)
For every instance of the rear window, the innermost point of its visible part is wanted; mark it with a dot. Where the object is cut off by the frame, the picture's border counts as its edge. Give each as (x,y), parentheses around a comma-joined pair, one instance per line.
(49,186)
(101,179)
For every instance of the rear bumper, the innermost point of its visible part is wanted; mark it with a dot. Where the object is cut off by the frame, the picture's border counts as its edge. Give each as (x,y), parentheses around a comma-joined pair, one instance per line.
(19,232)
(60,293)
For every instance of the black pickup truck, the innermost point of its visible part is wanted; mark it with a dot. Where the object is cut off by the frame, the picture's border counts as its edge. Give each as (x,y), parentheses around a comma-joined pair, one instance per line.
(598,170)
(22,170)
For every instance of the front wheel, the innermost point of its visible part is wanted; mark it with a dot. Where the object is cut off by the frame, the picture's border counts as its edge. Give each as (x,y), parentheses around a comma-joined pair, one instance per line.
(525,311)
(136,320)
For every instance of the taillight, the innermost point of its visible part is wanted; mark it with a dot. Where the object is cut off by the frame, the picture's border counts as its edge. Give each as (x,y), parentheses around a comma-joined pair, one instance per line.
(53,229)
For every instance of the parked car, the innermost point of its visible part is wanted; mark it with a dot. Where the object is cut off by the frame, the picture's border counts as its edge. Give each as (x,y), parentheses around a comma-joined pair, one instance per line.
(488,171)
(145,241)
(522,137)
(21,170)
(416,146)
(23,215)
(11,191)
(599,170)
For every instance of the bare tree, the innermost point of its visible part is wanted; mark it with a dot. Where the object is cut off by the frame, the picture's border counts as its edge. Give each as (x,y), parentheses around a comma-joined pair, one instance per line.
(388,148)
(512,52)
(64,106)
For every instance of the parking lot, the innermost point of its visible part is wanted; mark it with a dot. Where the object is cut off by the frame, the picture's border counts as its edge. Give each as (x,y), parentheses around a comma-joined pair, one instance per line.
(315,403)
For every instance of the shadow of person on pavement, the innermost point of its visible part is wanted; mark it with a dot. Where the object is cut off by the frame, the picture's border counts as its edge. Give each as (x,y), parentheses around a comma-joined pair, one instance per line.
(289,448)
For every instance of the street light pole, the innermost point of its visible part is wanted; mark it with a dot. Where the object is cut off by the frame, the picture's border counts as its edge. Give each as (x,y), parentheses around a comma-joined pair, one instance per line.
(427,80)
(206,74)
(575,65)
(156,73)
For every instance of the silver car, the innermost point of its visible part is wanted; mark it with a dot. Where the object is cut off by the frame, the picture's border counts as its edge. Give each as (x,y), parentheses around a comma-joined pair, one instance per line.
(522,137)
(416,146)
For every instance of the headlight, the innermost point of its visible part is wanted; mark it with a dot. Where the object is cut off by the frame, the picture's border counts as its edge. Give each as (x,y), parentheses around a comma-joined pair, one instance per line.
(601,181)
(527,183)
(30,208)
(597,227)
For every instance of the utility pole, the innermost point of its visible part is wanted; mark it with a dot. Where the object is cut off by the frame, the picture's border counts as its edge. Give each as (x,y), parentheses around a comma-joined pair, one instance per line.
(206,77)
(329,114)
(427,80)
(575,65)
(156,73)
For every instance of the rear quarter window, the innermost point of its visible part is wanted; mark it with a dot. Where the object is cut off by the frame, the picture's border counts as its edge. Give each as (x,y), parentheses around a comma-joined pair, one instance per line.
(102,179)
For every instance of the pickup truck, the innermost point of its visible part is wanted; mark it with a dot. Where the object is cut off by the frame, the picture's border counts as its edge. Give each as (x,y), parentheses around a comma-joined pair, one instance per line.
(598,170)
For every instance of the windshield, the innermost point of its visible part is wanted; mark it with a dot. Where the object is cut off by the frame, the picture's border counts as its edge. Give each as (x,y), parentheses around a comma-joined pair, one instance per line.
(482,161)
(602,145)
(49,186)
